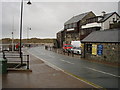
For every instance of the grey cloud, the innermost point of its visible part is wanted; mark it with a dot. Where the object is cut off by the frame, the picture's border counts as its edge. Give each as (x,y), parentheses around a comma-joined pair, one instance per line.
(46,19)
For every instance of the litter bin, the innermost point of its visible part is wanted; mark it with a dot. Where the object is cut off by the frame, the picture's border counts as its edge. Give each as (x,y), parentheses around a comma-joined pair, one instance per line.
(3,66)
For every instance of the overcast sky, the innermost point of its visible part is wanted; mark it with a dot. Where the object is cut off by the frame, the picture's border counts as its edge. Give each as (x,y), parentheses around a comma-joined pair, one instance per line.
(46,18)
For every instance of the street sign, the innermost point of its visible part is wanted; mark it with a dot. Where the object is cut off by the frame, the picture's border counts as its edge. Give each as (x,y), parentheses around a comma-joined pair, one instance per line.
(100,49)
(94,49)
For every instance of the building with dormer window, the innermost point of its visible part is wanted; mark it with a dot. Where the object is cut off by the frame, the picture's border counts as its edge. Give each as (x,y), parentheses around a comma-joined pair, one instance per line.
(80,26)
(104,22)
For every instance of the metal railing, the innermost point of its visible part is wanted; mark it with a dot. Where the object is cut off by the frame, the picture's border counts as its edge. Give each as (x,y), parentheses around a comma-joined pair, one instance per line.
(26,61)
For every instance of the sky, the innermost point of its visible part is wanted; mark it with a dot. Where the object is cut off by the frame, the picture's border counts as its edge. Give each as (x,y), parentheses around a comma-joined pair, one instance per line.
(46,18)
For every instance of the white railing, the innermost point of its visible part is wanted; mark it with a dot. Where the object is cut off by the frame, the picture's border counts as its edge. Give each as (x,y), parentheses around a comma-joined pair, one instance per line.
(90,25)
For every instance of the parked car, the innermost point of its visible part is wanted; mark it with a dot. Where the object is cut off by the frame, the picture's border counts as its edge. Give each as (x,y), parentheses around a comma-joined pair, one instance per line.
(76,50)
(67,47)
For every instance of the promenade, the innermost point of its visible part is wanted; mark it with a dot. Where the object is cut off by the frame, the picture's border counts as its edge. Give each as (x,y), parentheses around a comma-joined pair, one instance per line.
(41,76)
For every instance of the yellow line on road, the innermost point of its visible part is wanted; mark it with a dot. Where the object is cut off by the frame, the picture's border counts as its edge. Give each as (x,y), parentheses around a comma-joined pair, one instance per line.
(84,80)
(74,76)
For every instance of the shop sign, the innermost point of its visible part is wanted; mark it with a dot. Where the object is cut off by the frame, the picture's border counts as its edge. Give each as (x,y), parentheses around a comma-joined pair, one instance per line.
(82,45)
(100,49)
(94,49)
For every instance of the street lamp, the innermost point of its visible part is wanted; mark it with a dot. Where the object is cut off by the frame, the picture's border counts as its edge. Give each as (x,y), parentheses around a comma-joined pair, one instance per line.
(29,3)
(21,29)
(12,41)
(13,36)
(28,29)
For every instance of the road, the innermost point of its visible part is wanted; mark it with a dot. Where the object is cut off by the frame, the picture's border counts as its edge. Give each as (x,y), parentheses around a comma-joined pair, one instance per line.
(97,74)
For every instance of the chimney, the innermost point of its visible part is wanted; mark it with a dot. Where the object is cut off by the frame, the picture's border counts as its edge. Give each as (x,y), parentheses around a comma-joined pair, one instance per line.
(103,13)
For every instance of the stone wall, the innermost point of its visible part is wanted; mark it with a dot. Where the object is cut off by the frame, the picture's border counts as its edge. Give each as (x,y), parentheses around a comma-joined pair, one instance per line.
(111,52)
(89,15)
(72,36)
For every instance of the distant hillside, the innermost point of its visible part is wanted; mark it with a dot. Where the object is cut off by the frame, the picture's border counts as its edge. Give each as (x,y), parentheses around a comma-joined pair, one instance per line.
(32,40)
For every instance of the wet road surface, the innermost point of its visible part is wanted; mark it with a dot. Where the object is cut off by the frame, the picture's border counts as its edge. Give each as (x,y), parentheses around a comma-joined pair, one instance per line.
(42,77)
(99,74)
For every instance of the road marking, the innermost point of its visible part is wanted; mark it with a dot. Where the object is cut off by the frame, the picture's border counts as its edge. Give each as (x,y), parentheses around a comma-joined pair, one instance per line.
(76,77)
(51,56)
(46,62)
(70,74)
(66,61)
(102,72)
(83,80)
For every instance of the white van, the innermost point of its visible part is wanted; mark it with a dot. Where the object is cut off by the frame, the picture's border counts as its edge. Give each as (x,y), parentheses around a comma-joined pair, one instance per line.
(76,47)
(76,43)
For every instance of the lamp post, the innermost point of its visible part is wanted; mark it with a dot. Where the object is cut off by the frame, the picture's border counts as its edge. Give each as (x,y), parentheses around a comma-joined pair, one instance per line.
(28,29)
(12,41)
(21,21)
(13,35)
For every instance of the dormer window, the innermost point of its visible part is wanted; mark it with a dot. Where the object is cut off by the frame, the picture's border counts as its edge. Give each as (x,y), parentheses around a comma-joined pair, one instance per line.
(113,19)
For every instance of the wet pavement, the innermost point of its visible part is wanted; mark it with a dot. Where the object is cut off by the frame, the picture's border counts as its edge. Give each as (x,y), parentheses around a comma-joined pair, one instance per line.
(0,81)
(42,76)
(99,74)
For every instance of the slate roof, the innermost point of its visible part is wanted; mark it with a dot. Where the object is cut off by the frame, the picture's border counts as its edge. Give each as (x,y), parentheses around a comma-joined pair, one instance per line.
(76,18)
(60,31)
(111,35)
(106,16)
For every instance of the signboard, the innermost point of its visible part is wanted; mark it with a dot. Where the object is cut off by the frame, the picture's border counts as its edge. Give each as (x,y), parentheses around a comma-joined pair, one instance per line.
(94,49)
(100,49)
(70,29)
(82,45)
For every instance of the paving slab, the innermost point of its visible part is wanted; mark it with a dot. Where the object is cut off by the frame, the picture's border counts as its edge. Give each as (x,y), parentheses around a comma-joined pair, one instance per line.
(42,76)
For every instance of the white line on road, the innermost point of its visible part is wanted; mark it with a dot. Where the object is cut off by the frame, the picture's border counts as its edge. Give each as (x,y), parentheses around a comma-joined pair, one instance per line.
(57,68)
(103,72)
(47,63)
(66,61)
(51,56)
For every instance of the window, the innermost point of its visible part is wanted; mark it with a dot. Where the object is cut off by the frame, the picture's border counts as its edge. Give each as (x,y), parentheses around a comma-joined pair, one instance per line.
(89,48)
(74,25)
(71,25)
(82,32)
(67,26)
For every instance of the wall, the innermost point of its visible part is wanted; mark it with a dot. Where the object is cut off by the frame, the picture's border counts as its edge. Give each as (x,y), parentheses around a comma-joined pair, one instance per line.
(74,35)
(71,36)
(106,24)
(82,22)
(110,52)
(60,38)
(89,15)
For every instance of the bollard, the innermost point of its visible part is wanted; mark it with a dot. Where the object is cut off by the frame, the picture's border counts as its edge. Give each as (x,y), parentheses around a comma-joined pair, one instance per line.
(72,54)
(4,55)
(27,61)
(55,50)
(21,58)
(60,52)
(64,52)
(68,53)
(3,65)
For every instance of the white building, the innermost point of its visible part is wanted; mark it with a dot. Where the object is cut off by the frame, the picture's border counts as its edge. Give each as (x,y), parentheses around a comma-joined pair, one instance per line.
(103,22)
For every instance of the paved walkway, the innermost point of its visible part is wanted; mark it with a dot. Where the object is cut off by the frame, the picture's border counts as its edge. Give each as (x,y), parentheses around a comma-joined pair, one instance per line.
(42,76)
